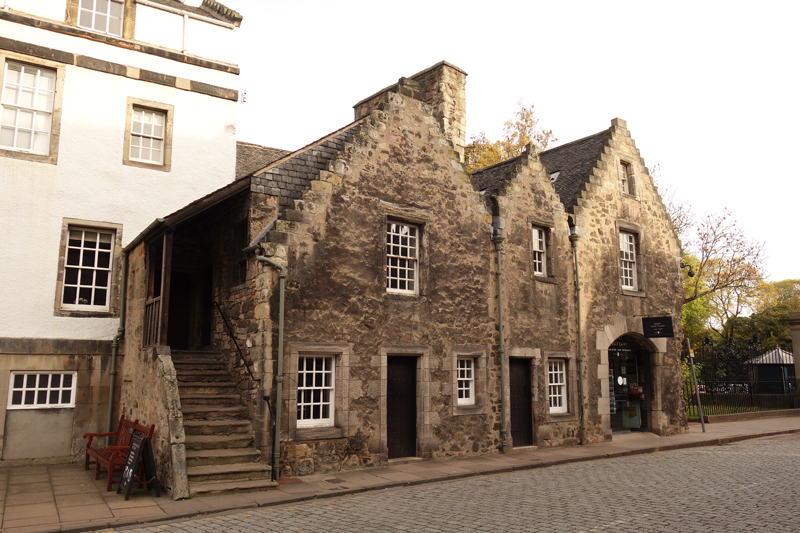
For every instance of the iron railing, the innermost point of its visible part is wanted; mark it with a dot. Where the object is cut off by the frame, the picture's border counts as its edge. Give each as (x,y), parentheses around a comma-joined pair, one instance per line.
(244,361)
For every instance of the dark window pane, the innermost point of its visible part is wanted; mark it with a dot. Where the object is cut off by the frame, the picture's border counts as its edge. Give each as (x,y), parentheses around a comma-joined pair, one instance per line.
(71,276)
(70,293)
(30,381)
(85,296)
(55,381)
(73,257)
(87,277)
(19,381)
(315,414)
(16,397)
(66,396)
(29,397)
(67,380)
(88,258)
(44,379)
(100,297)
(41,397)
(54,397)
(103,259)
(325,411)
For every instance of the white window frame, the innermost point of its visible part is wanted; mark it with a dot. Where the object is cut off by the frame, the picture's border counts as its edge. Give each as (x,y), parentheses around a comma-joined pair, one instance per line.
(32,383)
(101,19)
(465,380)
(402,257)
(627,261)
(557,379)
(146,130)
(539,251)
(133,132)
(311,381)
(33,118)
(84,271)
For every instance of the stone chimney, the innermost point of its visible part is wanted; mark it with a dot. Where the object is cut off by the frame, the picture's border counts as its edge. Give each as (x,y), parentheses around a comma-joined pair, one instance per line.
(441,86)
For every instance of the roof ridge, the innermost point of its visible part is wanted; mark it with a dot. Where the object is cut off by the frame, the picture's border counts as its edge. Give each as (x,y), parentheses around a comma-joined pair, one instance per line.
(551,150)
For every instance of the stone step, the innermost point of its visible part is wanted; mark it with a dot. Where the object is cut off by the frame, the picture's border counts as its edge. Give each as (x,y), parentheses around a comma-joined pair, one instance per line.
(213,412)
(234,472)
(227,400)
(225,456)
(180,355)
(217,442)
(232,486)
(211,387)
(203,364)
(215,427)
(210,376)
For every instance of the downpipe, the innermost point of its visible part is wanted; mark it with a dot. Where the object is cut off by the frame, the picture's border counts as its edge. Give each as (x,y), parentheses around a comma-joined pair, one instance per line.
(276,446)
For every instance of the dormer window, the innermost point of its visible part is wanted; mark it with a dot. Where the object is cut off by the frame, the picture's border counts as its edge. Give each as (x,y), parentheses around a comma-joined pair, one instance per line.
(104,16)
(554,176)
(626,177)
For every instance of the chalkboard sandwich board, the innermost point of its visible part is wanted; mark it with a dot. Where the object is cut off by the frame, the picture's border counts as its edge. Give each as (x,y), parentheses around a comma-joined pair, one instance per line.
(140,453)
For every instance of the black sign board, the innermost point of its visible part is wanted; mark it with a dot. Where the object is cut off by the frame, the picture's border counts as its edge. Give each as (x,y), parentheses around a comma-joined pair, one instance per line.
(140,452)
(657,326)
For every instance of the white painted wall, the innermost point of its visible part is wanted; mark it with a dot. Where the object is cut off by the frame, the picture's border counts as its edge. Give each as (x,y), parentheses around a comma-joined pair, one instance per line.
(49,9)
(90,182)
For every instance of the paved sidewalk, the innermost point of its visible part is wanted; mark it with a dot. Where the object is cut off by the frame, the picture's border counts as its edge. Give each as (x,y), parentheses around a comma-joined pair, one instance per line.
(67,498)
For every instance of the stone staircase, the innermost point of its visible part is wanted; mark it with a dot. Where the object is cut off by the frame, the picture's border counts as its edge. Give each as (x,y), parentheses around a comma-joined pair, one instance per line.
(220,455)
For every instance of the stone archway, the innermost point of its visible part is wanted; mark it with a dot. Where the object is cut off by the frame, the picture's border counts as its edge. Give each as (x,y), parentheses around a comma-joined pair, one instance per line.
(652,352)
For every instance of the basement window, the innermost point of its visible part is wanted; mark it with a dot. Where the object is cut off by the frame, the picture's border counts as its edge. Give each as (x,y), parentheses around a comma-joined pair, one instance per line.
(41,390)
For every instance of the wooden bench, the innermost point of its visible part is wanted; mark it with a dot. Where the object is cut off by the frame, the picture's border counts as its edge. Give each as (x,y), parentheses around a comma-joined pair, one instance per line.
(113,457)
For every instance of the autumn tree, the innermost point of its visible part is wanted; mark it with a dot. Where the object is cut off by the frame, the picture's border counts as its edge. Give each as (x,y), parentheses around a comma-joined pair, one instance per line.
(518,132)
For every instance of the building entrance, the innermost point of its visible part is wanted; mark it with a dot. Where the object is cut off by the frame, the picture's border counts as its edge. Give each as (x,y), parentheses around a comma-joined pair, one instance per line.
(401,406)
(629,385)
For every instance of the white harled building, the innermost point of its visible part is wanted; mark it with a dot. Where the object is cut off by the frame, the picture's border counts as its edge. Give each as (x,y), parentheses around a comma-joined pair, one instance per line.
(114,112)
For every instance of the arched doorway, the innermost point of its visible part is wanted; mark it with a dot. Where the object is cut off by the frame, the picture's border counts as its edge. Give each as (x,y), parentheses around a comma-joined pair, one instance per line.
(630,384)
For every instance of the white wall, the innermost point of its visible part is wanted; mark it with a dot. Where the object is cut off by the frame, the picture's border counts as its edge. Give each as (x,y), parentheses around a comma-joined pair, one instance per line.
(49,9)
(91,183)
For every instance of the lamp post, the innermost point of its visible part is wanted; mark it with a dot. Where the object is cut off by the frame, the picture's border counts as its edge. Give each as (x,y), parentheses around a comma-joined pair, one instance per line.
(573,238)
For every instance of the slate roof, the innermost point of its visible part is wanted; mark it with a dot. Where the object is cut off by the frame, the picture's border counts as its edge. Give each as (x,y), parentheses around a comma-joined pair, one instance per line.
(773,357)
(573,161)
(252,157)
(292,174)
(209,8)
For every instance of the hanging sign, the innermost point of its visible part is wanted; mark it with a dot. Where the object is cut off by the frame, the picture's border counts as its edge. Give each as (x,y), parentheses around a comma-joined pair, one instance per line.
(657,326)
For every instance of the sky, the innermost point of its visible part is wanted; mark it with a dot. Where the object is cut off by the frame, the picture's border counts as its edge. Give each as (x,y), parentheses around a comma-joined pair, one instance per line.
(709,89)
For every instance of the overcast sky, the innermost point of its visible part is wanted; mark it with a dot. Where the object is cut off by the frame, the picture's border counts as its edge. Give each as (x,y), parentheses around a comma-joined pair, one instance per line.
(709,89)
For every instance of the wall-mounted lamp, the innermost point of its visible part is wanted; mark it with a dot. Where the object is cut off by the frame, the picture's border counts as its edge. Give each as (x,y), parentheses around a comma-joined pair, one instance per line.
(691,270)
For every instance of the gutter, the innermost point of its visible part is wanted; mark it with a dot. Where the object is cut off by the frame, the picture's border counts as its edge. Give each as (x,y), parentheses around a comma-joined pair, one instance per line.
(498,236)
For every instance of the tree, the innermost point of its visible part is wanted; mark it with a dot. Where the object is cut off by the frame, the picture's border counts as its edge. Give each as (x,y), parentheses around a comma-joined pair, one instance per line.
(518,133)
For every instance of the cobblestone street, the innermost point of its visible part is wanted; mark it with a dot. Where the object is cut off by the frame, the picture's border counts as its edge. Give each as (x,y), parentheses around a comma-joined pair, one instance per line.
(749,486)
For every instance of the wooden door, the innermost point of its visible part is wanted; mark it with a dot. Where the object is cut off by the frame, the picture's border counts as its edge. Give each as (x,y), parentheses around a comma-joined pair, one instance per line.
(401,406)
(521,402)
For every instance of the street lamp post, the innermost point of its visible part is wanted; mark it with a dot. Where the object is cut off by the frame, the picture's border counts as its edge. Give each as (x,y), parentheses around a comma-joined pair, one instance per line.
(573,238)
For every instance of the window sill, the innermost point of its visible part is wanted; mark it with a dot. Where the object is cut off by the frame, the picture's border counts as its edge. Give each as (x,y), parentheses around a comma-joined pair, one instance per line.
(319,433)
(164,167)
(545,279)
(28,156)
(629,195)
(561,417)
(398,296)
(74,313)
(637,294)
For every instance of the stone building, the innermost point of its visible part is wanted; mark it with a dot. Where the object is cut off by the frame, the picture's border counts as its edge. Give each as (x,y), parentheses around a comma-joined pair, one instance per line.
(113,113)
(358,278)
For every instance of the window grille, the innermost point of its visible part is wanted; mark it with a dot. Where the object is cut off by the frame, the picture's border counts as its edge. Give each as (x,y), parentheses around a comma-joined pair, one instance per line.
(27,108)
(557,386)
(315,391)
(87,269)
(101,15)
(147,136)
(466,381)
(539,252)
(41,390)
(402,250)
(627,260)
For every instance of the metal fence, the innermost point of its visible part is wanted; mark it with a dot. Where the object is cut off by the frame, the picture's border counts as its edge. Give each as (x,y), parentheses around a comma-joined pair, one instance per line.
(735,379)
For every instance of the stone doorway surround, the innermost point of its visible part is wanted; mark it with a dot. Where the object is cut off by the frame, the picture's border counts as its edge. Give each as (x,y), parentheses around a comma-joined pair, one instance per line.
(657,348)
(425,414)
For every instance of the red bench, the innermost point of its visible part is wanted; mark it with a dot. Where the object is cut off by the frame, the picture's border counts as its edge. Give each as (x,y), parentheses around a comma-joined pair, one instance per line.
(113,457)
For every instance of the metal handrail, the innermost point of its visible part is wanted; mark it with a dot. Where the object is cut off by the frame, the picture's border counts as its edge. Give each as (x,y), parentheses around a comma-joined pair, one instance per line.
(233,337)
